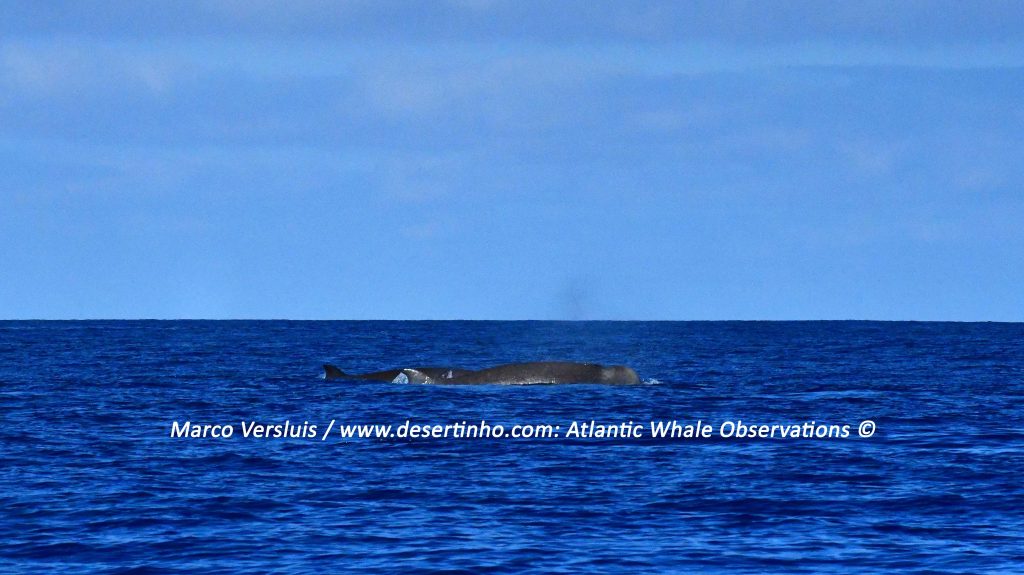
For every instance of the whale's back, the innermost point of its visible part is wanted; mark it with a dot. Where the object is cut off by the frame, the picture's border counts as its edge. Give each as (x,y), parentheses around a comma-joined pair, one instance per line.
(551,372)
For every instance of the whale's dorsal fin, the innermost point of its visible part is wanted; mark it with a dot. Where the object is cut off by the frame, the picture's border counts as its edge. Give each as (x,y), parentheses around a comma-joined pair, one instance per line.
(332,372)
(417,376)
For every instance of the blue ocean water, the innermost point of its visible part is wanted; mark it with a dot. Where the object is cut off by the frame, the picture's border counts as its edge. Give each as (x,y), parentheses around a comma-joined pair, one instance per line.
(91,480)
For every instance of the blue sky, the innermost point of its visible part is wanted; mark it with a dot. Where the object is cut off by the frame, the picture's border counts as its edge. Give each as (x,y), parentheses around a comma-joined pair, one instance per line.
(512,160)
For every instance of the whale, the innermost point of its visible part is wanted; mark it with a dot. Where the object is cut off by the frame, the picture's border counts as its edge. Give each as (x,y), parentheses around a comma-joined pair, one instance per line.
(530,373)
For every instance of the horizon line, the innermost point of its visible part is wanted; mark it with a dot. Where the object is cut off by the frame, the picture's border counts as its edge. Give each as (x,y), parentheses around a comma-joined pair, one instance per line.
(522,320)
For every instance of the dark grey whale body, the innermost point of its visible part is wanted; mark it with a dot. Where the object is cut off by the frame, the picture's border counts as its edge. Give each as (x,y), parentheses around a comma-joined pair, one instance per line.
(540,372)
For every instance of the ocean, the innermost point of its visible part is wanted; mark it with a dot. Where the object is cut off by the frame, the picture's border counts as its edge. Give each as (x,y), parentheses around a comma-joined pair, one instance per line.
(790,478)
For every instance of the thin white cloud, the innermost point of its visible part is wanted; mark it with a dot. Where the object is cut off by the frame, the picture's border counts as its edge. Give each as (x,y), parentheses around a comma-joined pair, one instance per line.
(66,67)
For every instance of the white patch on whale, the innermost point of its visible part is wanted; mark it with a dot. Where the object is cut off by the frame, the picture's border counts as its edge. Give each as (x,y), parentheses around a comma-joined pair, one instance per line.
(415,376)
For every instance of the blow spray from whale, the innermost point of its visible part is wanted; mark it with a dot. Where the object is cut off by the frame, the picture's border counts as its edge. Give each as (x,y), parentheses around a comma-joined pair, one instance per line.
(539,372)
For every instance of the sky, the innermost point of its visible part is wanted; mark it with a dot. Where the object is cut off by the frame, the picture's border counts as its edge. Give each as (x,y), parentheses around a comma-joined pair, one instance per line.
(490,159)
